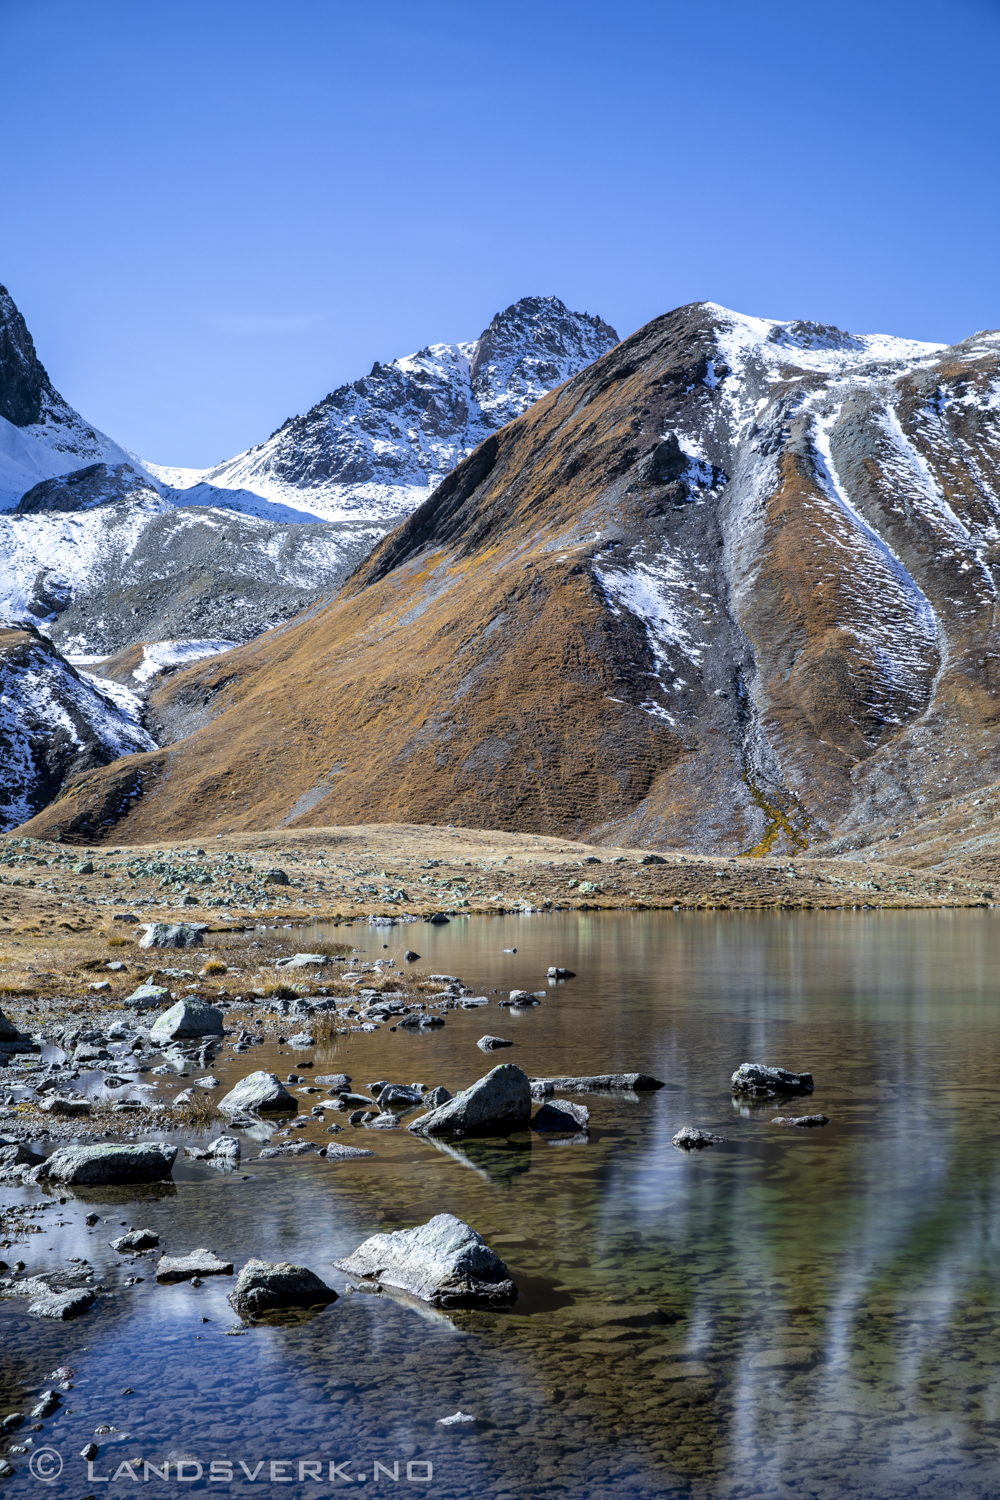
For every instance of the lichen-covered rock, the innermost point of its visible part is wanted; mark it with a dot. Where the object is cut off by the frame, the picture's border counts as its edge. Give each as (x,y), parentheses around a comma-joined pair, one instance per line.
(172,935)
(763,1081)
(444,1262)
(501,1100)
(188,1018)
(146,996)
(267,1286)
(147,1161)
(690,1138)
(259,1093)
(562,1117)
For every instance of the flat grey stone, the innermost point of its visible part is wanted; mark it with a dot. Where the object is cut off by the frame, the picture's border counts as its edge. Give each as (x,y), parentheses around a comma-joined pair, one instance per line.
(301,1040)
(172,935)
(267,1286)
(259,1092)
(385,1121)
(690,1138)
(55,1104)
(172,1268)
(338,1082)
(500,1100)
(136,1239)
(293,1148)
(62,1306)
(302,961)
(562,1117)
(147,1161)
(188,1018)
(443,1262)
(335,1152)
(804,1122)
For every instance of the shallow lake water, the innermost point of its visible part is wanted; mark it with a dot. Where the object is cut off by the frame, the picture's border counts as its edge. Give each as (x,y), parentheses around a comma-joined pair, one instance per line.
(794,1312)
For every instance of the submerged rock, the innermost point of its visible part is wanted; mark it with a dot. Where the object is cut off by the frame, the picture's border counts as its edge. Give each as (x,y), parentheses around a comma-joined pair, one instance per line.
(500,1100)
(266,1286)
(172,935)
(804,1122)
(148,1161)
(763,1081)
(259,1092)
(444,1262)
(188,1018)
(171,1268)
(690,1138)
(603,1083)
(562,1117)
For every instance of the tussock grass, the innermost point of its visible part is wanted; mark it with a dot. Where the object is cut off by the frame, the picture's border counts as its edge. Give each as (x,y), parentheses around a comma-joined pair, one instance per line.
(215,966)
(119,942)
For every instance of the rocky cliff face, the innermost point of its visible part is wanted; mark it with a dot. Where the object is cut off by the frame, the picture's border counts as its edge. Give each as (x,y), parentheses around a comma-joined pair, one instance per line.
(55,722)
(733,587)
(376,448)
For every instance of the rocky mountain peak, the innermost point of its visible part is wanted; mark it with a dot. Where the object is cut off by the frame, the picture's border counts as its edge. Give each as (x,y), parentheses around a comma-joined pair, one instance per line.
(23,381)
(528,349)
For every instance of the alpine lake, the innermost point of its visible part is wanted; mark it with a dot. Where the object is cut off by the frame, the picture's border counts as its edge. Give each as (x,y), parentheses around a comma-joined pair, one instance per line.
(793,1312)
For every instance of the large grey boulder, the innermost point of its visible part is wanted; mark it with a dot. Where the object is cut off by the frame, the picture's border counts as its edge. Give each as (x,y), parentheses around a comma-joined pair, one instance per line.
(8,1031)
(764,1082)
(444,1262)
(188,1018)
(55,1104)
(260,1092)
(267,1286)
(172,935)
(171,1268)
(601,1083)
(147,996)
(17,1154)
(501,1100)
(146,1161)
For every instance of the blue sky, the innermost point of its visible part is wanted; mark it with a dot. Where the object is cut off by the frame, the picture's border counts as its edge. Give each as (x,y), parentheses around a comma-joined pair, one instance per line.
(215,211)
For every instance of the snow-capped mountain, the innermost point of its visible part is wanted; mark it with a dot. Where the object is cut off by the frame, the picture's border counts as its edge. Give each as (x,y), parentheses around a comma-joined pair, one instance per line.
(735,586)
(55,722)
(102,550)
(375,449)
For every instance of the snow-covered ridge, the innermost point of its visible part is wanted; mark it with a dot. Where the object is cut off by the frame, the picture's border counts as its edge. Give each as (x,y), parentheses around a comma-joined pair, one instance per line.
(376,448)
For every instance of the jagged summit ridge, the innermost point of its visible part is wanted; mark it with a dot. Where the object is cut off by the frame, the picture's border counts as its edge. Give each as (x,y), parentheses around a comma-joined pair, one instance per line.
(378,446)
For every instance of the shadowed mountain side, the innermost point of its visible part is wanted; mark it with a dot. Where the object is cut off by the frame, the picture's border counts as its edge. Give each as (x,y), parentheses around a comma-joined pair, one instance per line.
(729,588)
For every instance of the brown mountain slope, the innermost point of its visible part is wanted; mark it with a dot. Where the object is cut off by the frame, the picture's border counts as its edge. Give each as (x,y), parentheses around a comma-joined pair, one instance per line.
(731,587)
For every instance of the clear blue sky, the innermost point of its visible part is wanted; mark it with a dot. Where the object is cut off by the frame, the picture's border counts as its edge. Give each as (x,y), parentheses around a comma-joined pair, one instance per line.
(214,211)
